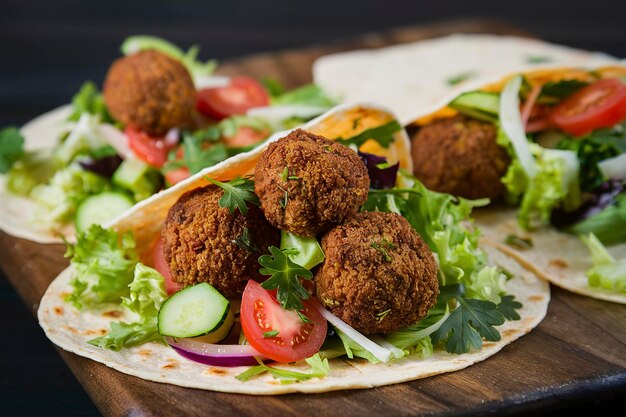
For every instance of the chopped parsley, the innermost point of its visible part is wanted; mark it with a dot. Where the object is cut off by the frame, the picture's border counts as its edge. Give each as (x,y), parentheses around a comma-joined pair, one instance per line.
(11,148)
(282,201)
(196,155)
(285,277)
(319,369)
(245,242)
(284,175)
(237,193)
(382,134)
(519,242)
(381,316)
(382,248)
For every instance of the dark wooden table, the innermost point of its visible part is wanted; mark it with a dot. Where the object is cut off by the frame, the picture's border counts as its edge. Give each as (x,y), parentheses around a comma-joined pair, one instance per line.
(576,357)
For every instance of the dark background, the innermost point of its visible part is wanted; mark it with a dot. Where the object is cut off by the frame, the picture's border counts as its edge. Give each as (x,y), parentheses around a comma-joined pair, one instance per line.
(47,50)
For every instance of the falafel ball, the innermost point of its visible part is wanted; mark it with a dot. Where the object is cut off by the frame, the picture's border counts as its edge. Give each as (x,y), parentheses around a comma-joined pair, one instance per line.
(379,275)
(150,91)
(307,183)
(203,242)
(460,156)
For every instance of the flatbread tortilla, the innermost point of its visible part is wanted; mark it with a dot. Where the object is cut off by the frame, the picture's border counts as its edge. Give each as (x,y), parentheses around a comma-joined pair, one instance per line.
(412,77)
(557,257)
(17,212)
(71,329)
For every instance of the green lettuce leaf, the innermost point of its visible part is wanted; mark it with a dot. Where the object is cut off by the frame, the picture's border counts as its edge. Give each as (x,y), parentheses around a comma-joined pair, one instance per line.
(89,100)
(58,199)
(606,272)
(310,95)
(84,138)
(32,169)
(147,293)
(609,225)
(353,349)
(104,262)
(11,148)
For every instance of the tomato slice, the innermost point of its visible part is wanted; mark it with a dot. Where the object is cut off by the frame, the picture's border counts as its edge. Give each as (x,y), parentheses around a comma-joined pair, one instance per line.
(174,176)
(242,94)
(153,150)
(160,264)
(260,313)
(245,136)
(601,104)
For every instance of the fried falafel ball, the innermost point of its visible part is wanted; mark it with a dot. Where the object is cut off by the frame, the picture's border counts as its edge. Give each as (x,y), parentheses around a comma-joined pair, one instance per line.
(379,275)
(307,184)
(150,91)
(203,242)
(460,156)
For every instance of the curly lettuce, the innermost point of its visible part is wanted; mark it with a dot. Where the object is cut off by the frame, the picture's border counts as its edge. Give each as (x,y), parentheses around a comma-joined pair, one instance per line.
(606,273)
(104,263)
(147,293)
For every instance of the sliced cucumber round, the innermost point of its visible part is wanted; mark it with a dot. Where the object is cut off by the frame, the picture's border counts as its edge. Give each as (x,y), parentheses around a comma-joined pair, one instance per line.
(100,208)
(194,311)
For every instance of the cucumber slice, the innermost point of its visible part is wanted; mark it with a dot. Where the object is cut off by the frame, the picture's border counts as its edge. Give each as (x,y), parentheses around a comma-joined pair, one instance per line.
(194,311)
(309,252)
(100,208)
(478,104)
(138,177)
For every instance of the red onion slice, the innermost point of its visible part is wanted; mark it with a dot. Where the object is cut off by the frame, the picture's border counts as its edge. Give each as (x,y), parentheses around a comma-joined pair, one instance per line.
(213,354)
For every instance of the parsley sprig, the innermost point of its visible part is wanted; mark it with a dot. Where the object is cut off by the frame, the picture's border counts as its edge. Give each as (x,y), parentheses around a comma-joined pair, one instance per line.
(237,193)
(319,369)
(285,277)
(467,324)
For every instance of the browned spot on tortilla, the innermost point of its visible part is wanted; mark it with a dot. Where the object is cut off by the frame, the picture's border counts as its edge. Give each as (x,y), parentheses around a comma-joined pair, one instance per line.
(488,344)
(58,310)
(70,329)
(274,382)
(216,371)
(558,263)
(528,321)
(115,314)
(536,298)
(508,332)
(145,352)
(170,366)
(99,332)
(64,295)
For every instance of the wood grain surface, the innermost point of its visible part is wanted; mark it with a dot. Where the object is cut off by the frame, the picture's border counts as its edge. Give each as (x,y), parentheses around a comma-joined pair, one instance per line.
(578,353)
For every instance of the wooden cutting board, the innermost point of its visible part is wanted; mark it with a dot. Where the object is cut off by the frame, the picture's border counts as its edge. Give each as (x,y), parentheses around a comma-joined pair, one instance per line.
(578,353)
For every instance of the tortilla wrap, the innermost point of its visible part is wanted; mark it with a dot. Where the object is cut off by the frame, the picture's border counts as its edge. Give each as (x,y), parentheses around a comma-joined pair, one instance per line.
(16,211)
(415,76)
(71,329)
(557,257)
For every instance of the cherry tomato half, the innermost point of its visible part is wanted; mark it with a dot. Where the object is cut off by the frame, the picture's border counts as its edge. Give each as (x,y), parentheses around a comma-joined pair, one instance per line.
(150,149)
(160,264)
(601,104)
(260,313)
(238,97)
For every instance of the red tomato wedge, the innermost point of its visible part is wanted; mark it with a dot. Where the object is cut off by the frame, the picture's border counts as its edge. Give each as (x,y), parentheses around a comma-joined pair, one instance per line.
(245,136)
(160,264)
(174,176)
(238,97)
(150,149)
(260,313)
(601,104)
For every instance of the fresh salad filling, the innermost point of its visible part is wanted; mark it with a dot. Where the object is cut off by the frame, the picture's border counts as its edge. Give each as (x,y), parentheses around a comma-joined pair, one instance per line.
(161,117)
(232,301)
(554,148)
